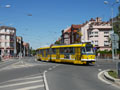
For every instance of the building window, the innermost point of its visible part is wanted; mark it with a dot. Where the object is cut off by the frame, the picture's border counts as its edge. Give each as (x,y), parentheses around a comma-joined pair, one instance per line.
(12,45)
(106,43)
(5,37)
(96,42)
(5,44)
(96,32)
(92,42)
(96,35)
(106,32)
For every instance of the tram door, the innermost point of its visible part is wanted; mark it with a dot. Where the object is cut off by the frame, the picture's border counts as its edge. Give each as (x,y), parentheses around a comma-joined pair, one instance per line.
(77,53)
(57,53)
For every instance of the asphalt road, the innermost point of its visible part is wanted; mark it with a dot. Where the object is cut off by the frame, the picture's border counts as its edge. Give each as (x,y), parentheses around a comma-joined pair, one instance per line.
(27,74)
(79,77)
(23,74)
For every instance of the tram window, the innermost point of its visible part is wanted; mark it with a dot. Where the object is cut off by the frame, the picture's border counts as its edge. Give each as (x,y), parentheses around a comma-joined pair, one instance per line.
(61,50)
(47,51)
(42,52)
(69,50)
(39,52)
(53,50)
(72,50)
(83,50)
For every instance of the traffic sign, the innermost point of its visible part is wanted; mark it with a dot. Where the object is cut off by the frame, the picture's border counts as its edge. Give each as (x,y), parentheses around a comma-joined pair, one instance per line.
(115,45)
(114,37)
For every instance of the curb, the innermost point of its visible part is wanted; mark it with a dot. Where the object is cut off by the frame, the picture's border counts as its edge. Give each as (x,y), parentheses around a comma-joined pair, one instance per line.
(108,77)
(45,80)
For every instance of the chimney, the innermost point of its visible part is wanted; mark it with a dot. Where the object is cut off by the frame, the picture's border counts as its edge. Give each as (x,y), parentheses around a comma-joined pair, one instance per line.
(98,19)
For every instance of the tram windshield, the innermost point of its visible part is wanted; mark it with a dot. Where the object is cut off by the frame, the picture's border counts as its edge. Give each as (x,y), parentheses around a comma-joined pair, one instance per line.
(87,50)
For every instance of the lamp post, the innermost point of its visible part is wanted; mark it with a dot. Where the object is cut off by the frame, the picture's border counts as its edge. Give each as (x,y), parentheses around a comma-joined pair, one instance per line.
(112,6)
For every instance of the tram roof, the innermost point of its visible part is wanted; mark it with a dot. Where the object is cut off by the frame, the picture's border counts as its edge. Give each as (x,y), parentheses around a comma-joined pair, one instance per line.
(72,45)
(60,46)
(43,48)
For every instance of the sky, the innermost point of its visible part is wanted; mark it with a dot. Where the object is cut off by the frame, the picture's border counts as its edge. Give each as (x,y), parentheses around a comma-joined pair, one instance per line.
(40,22)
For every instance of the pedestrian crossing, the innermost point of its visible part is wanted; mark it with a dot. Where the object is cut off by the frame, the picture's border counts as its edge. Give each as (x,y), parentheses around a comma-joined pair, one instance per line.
(20,64)
(34,82)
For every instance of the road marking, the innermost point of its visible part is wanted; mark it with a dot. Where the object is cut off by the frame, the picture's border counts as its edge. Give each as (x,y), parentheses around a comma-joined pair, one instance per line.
(50,69)
(107,82)
(45,80)
(99,69)
(100,78)
(30,78)
(54,67)
(28,82)
(32,87)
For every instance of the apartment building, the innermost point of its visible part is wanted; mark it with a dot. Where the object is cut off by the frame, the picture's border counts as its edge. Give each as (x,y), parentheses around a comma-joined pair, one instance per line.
(95,31)
(70,35)
(98,33)
(65,37)
(7,41)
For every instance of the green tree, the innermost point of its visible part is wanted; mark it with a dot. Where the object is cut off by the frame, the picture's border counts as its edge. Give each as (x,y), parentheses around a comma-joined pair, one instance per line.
(33,52)
(57,42)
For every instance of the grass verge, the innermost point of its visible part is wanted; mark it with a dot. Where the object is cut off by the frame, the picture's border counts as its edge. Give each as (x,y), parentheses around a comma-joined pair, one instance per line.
(113,74)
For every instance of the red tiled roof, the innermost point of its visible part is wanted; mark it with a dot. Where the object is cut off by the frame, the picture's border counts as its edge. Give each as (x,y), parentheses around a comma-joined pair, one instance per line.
(75,30)
(75,26)
(7,27)
(68,30)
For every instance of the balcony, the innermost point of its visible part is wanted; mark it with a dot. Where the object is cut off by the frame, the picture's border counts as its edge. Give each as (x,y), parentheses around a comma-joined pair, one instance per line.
(102,27)
(6,33)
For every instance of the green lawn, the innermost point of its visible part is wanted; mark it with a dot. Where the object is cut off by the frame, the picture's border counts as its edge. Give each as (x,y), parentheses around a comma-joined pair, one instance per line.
(113,74)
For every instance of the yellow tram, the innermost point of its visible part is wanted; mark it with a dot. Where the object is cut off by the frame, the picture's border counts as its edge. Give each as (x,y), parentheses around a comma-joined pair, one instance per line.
(74,53)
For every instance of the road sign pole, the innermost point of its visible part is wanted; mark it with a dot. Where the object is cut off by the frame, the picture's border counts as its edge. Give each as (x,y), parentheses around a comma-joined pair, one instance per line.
(112,51)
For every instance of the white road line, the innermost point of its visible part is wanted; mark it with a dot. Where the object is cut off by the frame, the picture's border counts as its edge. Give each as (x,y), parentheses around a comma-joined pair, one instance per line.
(50,69)
(99,77)
(32,87)
(99,69)
(30,78)
(107,82)
(45,80)
(28,82)
(54,67)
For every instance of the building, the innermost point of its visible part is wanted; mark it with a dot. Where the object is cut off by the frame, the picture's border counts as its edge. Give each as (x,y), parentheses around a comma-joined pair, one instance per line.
(19,46)
(65,37)
(98,33)
(75,36)
(95,31)
(26,51)
(71,35)
(7,41)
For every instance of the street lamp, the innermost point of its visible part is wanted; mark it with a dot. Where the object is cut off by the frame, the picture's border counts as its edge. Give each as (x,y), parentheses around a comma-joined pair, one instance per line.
(112,6)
